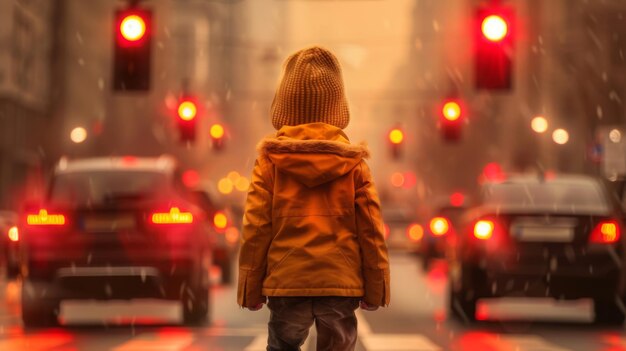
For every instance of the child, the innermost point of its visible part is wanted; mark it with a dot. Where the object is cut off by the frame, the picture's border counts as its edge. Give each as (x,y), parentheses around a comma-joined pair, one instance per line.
(312,240)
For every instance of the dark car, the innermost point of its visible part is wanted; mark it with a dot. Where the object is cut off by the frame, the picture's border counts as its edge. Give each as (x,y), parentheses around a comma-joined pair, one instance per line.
(9,241)
(114,228)
(533,236)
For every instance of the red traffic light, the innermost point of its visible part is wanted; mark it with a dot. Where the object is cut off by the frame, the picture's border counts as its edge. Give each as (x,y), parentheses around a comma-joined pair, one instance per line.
(494,28)
(451,119)
(494,43)
(451,111)
(133,28)
(132,49)
(187,110)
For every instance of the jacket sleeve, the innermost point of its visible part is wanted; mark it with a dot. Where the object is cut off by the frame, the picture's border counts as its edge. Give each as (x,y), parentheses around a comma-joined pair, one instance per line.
(256,237)
(370,231)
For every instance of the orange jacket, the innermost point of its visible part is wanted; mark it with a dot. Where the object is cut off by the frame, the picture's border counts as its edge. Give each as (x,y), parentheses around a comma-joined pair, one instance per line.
(312,223)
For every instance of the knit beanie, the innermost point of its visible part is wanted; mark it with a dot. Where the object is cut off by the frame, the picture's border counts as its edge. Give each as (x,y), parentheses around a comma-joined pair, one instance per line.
(311,90)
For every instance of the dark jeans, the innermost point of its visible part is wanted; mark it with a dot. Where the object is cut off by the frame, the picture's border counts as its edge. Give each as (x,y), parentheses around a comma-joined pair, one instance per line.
(291,318)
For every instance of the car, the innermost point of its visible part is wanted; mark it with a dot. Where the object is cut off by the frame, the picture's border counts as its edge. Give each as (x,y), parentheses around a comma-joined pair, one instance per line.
(440,232)
(402,229)
(9,240)
(538,236)
(114,228)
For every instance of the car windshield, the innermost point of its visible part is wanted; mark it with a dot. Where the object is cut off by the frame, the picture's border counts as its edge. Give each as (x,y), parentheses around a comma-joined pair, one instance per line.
(555,197)
(102,187)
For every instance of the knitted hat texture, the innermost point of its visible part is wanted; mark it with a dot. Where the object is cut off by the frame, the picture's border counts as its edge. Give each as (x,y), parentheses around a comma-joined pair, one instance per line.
(311,90)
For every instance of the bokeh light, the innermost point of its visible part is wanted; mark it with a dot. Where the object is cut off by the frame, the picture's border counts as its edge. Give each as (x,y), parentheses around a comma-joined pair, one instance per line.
(225,186)
(78,135)
(560,136)
(539,124)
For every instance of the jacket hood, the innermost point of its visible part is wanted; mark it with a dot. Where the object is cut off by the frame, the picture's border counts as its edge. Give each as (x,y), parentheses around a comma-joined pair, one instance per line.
(313,153)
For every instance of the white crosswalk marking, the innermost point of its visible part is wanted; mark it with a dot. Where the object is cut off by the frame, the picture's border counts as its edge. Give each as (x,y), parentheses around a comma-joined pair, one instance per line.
(258,344)
(392,342)
(175,341)
(530,343)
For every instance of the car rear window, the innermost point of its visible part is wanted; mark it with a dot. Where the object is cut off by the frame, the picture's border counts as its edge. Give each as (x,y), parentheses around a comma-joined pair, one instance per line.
(104,187)
(557,197)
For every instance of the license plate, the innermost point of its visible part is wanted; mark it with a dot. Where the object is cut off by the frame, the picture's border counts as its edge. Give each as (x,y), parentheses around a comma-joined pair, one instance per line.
(109,224)
(545,234)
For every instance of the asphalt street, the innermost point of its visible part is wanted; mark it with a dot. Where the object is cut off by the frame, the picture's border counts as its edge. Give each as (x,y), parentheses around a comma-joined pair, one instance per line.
(416,321)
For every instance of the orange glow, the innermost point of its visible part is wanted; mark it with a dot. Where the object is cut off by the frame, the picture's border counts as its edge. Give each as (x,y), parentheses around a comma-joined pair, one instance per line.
(386,231)
(173,217)
(451,111)
(217,131)
(415,232)
(439,226)
(43,218)
(225,186)
(396,136)
(232,235)
(133,28)
(14,234)
(220,220)
(494,28)
(483,229)
(187,110)
(397,179)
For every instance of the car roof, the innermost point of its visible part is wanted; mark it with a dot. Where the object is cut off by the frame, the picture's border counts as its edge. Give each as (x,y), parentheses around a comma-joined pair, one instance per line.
(163,164)
(571,179)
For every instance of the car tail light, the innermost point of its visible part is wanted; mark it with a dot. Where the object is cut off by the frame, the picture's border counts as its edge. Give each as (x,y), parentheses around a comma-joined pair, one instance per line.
(44,218)
(415,232)
(14,234)
(174,216)
(606,232)
(220,221)
(439,226)
(483,229)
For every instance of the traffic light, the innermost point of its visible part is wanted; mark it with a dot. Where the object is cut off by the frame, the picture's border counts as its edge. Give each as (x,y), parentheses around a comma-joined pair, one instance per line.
(396,139)
(451,120)
(187,112)
(217,133)
(494,48)
(131,58)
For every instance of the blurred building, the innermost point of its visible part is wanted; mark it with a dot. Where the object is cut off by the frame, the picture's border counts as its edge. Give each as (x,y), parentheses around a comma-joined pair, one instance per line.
(26,47)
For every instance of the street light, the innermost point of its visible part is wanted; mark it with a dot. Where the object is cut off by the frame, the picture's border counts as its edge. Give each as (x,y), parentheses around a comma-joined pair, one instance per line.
(78,135)
(560,136)
(539,124)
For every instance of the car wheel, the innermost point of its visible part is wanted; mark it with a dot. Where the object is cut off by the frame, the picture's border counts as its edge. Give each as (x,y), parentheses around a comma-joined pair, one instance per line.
(196,306)
(608,312)
(38,312)
(463,294)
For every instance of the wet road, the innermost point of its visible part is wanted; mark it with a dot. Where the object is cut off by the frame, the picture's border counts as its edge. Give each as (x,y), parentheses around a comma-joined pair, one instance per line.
(416,321)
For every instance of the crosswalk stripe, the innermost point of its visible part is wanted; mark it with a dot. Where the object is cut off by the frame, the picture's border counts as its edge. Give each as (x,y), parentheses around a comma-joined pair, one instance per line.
(391,342)
(165,341)
(258,344)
